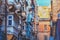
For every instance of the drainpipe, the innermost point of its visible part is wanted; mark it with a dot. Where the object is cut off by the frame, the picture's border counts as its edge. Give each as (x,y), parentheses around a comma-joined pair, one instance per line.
(51,18)
(6,19)
(35,25)
(51,21)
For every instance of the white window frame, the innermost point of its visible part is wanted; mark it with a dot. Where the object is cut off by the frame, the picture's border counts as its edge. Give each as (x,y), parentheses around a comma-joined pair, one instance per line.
(9,19)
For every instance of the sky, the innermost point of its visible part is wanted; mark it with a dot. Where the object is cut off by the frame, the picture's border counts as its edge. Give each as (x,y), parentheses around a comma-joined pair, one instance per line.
(39,2)
(9,1)
(43,2)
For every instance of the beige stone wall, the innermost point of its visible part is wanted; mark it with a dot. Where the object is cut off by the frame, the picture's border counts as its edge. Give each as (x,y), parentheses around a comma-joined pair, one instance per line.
(41,35)
(56,7)
(42,32)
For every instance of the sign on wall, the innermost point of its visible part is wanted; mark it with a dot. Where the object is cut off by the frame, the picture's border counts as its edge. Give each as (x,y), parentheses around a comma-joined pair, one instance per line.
(44,9)
(43,13)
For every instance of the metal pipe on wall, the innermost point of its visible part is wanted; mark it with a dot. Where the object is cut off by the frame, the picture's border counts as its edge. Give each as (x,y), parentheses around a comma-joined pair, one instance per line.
(6,19)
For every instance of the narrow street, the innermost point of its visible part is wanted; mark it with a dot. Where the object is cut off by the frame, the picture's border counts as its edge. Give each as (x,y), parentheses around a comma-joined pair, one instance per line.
(29,19)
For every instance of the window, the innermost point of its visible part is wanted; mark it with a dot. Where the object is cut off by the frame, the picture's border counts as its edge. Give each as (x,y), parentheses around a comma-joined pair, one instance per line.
(10,20)
(45,37)
(10,17)
(45,27)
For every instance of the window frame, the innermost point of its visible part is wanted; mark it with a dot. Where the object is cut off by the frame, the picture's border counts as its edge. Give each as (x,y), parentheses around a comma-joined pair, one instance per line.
(9,19)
